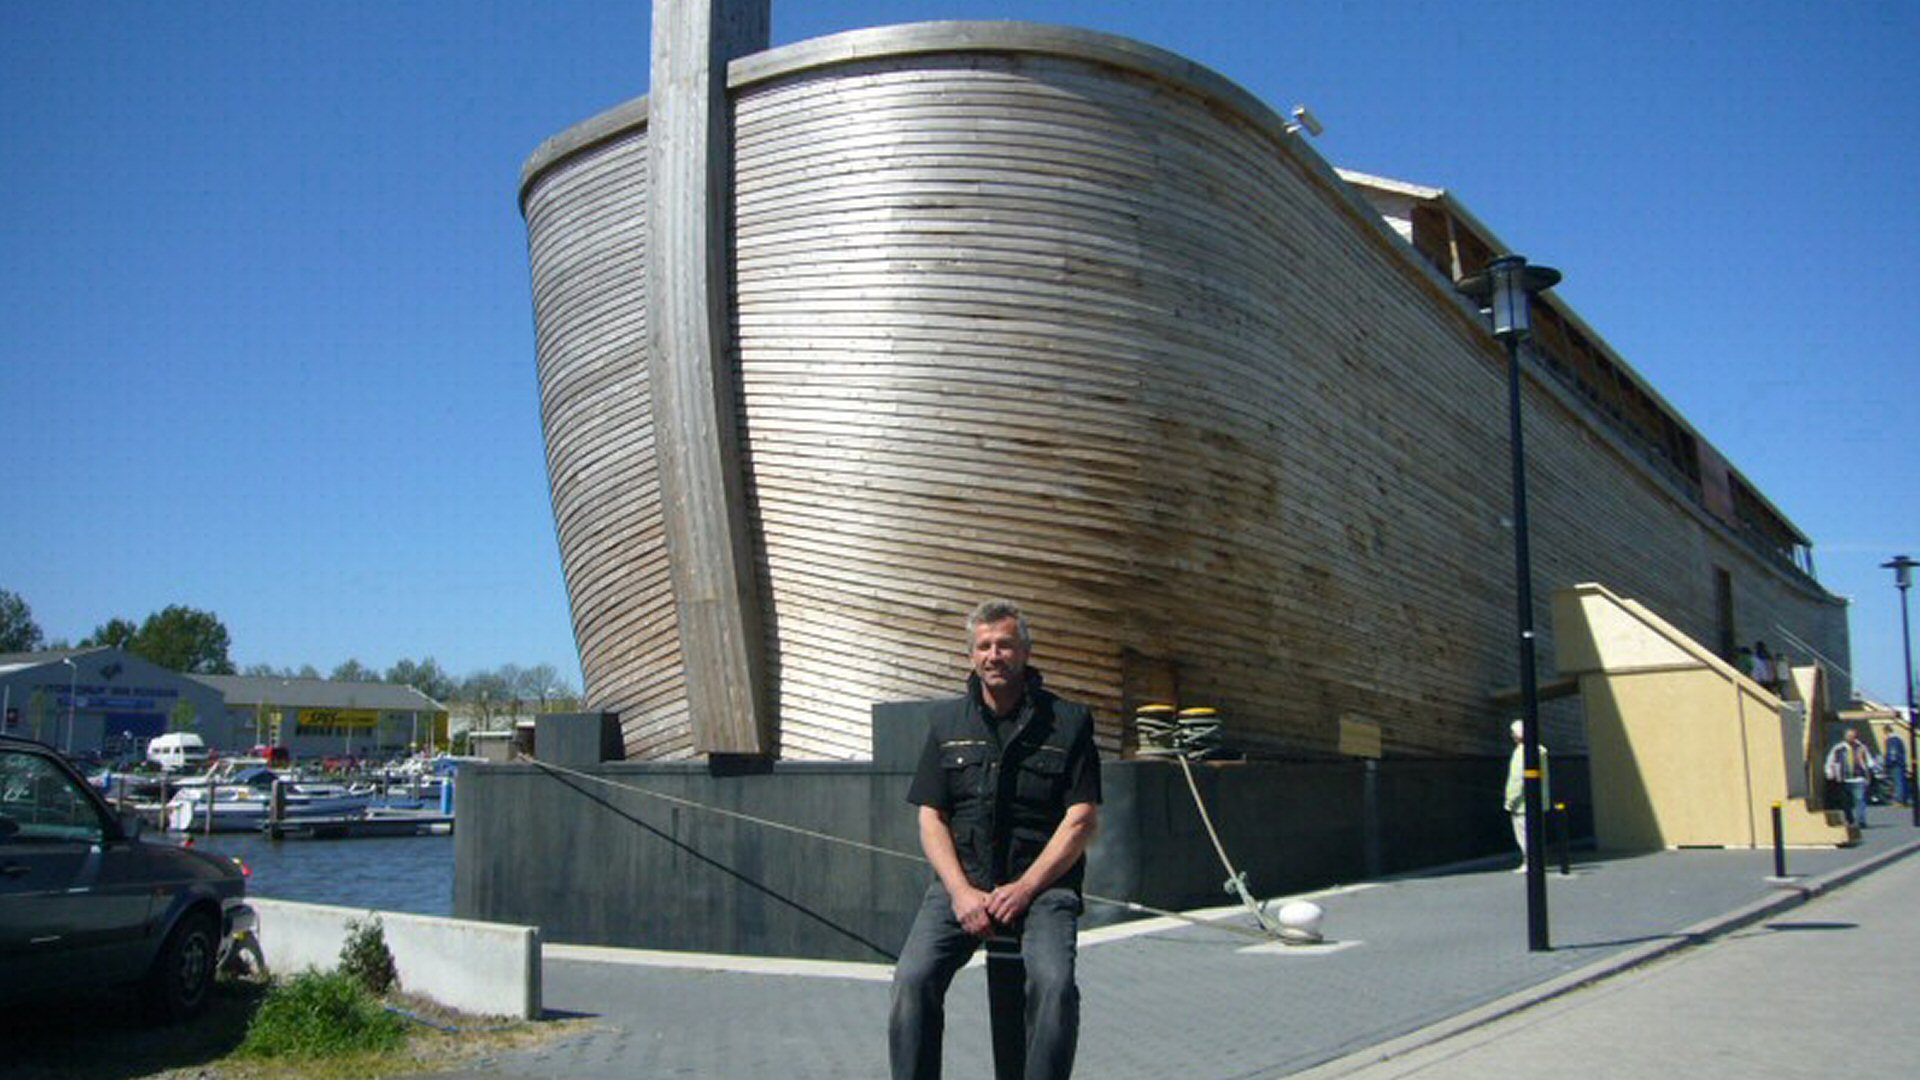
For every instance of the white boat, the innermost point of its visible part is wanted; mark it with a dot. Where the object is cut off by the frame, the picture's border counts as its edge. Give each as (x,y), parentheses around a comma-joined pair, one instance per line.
(243,800)
(224,771)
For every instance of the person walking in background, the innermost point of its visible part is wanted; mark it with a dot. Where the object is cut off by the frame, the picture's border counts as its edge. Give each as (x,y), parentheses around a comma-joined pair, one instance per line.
(1851,763)
(1763,672)
(1008,789)
(1897,767)
(1516,802)
(1783,675)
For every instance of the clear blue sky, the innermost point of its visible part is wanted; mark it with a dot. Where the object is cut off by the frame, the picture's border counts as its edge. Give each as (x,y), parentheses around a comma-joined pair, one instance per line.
(266,344)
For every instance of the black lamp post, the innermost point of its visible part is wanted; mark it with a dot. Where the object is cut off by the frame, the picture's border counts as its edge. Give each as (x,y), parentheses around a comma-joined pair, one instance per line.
(1508,286)
(1902,568)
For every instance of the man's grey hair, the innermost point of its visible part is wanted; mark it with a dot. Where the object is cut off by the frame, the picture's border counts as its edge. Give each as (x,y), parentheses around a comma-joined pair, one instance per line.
(993,611)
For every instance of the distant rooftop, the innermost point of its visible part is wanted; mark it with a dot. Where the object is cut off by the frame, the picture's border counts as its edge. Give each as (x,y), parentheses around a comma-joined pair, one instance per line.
(273,690)
(12,662)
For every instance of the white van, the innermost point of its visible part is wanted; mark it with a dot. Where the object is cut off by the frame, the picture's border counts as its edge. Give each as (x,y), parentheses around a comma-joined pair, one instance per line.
(178,751)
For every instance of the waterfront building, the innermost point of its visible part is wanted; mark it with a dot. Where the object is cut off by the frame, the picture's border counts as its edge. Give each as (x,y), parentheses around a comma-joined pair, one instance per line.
(317,719)
(110,701)
(104,700)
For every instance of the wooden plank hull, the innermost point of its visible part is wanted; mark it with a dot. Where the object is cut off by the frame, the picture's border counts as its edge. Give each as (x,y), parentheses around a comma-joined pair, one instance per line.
(1037,313)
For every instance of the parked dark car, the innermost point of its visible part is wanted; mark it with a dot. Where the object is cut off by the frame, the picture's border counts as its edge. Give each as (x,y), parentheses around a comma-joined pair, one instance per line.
(86,902)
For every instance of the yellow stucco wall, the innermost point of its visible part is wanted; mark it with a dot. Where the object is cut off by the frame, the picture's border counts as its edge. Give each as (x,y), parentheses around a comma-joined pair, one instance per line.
(1685,751)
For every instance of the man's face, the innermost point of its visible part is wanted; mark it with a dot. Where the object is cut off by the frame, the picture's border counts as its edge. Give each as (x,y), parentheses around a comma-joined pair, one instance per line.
(998,657)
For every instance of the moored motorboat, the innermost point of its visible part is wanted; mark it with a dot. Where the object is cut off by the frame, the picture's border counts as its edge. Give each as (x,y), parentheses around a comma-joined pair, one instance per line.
(245,802)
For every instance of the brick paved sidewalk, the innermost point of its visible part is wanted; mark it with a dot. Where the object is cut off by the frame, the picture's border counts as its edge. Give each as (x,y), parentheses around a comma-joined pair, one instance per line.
(1409,960)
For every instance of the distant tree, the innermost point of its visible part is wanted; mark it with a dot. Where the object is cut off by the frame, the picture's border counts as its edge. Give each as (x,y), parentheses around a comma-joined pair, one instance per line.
(425,676)
(542,683)
(185,640)
(512,678)
(18,631)
(116,632)
(307,671)
(490,695)
(434,681)
(530,683)
(353,670)
(263,671)
(403,671)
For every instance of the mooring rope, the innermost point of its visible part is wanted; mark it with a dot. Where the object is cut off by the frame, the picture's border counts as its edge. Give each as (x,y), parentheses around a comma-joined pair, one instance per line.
(1236,880)
(1184,735)
(446,1029)
(691,804)
(1134,906)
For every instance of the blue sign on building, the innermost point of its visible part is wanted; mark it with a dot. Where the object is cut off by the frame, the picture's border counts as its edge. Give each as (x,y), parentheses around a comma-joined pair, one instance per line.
(141,725)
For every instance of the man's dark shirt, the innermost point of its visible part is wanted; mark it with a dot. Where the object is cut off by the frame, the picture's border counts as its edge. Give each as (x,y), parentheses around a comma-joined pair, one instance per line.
(1007,784)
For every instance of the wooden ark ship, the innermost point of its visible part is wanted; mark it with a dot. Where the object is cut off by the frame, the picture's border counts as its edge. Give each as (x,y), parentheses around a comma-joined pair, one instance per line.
(998,309)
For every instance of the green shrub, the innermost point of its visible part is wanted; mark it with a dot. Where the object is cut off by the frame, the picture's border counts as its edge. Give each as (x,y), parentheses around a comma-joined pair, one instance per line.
(319,1014)
(365,956)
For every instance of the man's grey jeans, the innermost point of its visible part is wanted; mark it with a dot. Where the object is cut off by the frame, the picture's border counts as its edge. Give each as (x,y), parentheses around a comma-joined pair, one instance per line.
(937,948)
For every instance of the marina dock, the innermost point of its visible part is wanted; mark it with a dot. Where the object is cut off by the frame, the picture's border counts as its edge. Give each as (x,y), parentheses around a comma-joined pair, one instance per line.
(371,823)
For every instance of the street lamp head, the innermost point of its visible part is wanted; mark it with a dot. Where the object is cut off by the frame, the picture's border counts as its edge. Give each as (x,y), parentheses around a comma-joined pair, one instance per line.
(1507,287)
(1902,568)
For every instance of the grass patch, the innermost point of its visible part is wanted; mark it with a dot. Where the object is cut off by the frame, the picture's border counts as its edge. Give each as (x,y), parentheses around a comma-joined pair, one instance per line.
(322,1015)
(105,1037)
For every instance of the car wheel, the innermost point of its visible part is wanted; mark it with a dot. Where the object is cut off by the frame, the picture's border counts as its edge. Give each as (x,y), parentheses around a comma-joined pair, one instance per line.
(182,975)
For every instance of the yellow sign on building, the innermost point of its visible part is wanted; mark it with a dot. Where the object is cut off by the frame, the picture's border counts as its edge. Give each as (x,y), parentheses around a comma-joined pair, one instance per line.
(335,721)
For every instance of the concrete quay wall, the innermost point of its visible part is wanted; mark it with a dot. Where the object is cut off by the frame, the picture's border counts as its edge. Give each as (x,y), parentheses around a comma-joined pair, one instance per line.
(594,861)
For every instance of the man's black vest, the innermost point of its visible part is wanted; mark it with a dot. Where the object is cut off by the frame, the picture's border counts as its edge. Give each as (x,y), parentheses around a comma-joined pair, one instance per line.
(1007,800)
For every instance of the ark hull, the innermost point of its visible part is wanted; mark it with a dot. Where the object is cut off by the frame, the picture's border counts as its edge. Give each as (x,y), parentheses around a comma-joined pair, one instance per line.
(1039,313)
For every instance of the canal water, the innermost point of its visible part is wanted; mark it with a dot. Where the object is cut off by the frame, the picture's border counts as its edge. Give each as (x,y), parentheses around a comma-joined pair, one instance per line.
(396,873)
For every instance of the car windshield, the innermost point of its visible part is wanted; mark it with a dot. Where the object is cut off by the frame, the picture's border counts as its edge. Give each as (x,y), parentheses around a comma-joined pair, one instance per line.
(38,801)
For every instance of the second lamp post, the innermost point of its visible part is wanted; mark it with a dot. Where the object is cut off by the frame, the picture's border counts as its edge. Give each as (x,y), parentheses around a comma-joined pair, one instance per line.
(1902,568)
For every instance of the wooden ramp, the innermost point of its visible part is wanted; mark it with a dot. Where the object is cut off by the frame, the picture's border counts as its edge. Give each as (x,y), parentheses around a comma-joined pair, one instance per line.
(1685,750)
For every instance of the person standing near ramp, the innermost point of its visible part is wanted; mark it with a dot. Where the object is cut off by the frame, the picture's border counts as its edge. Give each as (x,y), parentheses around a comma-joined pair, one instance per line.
(1516,796)
(1008,788)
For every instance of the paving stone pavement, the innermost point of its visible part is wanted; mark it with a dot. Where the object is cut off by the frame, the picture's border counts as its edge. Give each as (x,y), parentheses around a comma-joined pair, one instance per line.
(1411,961)
(1786,996)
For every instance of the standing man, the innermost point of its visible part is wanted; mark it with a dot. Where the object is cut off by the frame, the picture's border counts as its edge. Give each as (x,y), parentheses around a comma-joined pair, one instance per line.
(1763,670)
(1897,767)
(1851,763)
(1516,801)
(1009,791)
